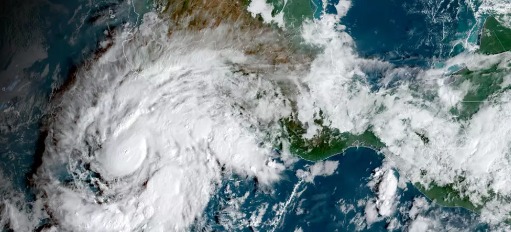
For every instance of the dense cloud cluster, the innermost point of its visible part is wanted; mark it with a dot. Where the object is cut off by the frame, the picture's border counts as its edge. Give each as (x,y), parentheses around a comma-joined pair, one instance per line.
(141,137)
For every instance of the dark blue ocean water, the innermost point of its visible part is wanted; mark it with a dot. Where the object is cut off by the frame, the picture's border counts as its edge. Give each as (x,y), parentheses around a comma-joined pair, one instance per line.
(317,206)
(409,32)
(61,21)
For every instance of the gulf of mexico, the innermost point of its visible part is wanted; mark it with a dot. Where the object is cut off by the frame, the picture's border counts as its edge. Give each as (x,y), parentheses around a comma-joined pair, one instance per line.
(405,32)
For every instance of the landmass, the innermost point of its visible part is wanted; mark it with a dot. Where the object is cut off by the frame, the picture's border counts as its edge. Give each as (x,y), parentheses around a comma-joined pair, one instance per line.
(327,141)
(483,85)
(295,11)
(495,37)
(447,196)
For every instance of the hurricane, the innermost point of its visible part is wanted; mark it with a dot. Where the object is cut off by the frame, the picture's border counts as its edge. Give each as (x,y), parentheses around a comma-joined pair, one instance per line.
(144,134)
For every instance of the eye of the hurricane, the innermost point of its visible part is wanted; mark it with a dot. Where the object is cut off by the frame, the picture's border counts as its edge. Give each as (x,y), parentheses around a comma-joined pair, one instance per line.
(123,155)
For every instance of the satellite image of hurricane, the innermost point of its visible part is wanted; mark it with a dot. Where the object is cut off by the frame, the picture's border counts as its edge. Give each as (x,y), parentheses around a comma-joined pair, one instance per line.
(255,115)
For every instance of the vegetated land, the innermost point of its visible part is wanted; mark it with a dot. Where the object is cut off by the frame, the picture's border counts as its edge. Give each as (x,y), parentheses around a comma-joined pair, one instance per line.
(327,142)
(295,11)
(495,37)
(483,84)
(447,196)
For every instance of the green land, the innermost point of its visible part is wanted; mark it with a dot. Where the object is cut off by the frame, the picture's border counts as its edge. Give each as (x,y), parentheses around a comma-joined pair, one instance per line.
(483,84)
(295,11)
(495,37)
(447,196)
(327,142)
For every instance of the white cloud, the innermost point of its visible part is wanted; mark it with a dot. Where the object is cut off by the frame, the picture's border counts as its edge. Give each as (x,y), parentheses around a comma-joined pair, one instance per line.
(15,213)
(385,185)
(261,7)
(371,213)
(159,117)
(476,149)
(321,168)
(420,224)
(420,204)
(387,189)
(157,120)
